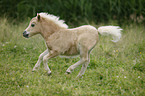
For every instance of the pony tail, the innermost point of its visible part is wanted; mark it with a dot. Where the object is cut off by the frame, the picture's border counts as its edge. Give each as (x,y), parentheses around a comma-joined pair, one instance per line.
(115,31)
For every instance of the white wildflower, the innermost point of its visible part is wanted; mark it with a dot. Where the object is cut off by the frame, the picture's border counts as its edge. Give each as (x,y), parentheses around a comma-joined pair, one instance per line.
(15,46)
(134,62)
(124,76)
(7,42)
(138,76)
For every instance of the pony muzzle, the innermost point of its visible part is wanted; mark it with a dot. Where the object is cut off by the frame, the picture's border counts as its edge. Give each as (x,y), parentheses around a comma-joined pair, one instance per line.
(26,34)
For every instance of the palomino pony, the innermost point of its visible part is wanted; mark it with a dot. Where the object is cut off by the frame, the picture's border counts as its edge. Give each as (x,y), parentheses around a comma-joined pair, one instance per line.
(62,41)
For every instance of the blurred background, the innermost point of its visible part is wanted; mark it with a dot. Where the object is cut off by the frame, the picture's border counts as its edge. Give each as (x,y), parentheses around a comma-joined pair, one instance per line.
(73,10)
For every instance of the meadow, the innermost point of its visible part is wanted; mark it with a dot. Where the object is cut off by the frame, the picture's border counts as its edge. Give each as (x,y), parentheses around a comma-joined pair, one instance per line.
(114,69)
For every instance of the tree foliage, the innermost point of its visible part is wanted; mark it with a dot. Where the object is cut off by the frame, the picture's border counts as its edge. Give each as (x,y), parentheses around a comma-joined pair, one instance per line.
(73,10)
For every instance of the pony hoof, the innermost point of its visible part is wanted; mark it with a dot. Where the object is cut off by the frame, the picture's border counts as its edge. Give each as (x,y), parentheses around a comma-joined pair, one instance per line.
(68,72)
(49,73)
(33,70)
(79,76)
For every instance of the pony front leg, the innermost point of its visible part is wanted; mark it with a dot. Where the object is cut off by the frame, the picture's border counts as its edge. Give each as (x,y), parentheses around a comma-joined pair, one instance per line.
(40,59)
(46,58)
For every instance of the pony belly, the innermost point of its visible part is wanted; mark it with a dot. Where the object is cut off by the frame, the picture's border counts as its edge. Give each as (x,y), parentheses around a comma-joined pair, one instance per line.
(72,51)
(64,56)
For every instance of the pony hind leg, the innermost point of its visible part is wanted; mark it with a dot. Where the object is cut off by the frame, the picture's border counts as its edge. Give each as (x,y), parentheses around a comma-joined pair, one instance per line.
(84,59)
(40,59)
(83,69)
(72,67)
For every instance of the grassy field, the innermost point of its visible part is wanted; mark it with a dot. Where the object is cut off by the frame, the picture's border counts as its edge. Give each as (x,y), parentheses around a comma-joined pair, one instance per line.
(114,69)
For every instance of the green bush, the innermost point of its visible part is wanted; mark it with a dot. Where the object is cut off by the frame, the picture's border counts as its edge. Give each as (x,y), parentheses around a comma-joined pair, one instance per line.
(73,10)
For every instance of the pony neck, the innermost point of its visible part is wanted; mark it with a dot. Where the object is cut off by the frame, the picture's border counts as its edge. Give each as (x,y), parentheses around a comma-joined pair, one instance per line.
(48,28)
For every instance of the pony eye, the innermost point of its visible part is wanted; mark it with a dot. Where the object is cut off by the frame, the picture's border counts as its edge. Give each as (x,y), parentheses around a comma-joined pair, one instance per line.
(32,25)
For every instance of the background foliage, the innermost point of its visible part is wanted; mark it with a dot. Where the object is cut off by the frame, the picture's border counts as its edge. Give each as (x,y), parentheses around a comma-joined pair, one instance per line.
(73,10)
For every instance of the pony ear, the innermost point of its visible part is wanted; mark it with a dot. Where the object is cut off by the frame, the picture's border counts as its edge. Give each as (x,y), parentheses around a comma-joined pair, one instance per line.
(38,17)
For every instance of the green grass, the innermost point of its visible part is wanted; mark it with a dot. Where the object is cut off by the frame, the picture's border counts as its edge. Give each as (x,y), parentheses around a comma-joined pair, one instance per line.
(114,69)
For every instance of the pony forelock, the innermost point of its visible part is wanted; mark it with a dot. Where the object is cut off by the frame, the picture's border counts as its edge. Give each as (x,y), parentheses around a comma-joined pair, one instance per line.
(53,18)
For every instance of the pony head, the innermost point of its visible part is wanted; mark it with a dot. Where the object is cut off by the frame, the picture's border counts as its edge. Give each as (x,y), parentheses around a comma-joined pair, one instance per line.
(43,23)
(33,27)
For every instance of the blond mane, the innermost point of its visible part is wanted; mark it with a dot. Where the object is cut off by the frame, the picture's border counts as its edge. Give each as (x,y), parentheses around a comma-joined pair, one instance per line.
(55,19)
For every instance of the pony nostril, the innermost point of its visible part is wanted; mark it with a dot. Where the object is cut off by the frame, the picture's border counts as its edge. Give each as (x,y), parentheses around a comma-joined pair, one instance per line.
(27,35)
(24,32)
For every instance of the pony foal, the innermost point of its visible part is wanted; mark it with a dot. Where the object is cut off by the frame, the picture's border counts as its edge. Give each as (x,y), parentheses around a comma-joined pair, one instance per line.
(67,42)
